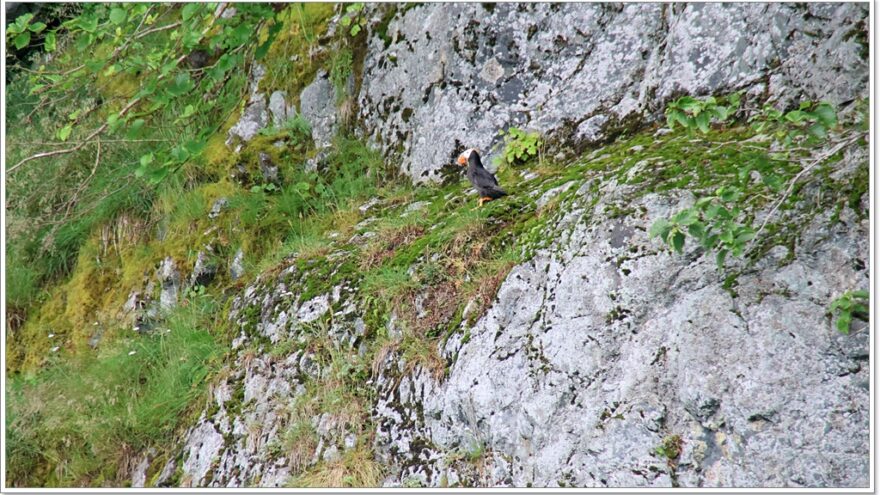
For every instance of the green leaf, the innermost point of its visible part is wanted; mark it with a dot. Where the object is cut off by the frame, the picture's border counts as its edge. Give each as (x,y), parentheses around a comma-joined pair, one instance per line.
(181,85)
(702,121)
(682,119)
(702,202)
(345,21)
(189,10)
(835,304)
(135,130)
(713,211)
(22,40)
(734,100)
(745,237)
(826,115)
(697,230)
(677,242)
(795,116)
(88,23)
(710,241)
(118,16)
(727,236)
(64,132)
(843,322)
(685,217)
(180,154)
(659,228)
(158,175)
(728,194)
(688,103)
(772,181)
(50,43)
(719,258)
(95,65)
(146,159)
(36,27)
(818,131)
(861,294)
(113,121)
(22,21)
(355,29)
(193,147)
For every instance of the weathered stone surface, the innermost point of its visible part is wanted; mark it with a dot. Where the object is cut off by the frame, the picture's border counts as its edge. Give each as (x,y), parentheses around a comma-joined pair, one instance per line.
(577,71)
(254,118)
(604,345)
(236,268)
(582,367)
(280,110)
(205,268)
(169,279)
(217,208)
(317,105)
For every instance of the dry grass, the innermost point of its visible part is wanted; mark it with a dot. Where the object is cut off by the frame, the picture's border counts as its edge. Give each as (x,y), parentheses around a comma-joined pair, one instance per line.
(356,468)
(387,243)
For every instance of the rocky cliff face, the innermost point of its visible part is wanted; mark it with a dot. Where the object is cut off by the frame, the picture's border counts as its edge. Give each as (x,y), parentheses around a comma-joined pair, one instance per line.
(603,359)
(452,76)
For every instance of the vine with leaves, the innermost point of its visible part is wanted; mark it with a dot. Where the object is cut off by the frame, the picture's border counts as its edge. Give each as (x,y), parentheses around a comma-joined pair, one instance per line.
(797,139)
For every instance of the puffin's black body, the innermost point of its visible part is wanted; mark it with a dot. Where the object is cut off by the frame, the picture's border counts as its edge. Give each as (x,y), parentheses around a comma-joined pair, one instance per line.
(485,183)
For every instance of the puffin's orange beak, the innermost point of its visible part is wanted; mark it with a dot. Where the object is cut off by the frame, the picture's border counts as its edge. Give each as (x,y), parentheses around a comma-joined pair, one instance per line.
(461,160)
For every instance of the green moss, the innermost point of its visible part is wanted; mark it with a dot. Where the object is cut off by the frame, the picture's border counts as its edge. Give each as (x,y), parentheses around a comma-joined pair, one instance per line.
(293,59)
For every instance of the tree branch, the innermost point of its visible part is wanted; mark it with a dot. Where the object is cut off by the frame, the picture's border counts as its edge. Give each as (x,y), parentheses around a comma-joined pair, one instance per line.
(100,130)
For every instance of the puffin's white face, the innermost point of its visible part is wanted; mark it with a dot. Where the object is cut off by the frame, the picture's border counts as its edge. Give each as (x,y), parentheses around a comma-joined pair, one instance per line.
(466,155)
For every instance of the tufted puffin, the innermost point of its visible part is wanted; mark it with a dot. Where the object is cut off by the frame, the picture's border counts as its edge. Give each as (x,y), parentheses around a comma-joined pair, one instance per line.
(485,183)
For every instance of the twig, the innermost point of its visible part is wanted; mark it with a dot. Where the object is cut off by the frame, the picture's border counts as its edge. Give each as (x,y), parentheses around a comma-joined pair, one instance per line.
(821,158)
(73,199)
(105,141)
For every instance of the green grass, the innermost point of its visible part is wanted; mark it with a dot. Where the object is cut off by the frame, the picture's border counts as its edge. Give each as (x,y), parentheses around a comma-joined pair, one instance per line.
(75,422)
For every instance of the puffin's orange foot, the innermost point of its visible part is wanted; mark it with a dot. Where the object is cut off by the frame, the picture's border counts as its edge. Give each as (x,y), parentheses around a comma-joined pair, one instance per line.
(484,199)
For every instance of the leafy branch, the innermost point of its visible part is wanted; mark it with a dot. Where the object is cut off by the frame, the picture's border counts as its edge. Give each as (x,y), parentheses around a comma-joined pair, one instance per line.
(719,222)
(158,64)
(848,304)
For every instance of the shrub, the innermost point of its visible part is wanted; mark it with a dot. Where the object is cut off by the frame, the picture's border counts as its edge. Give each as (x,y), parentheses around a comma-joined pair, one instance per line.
(521,146)
(848,304)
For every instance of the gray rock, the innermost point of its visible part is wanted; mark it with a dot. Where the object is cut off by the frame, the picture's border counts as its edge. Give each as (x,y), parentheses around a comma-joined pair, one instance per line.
(236,268)
(576,71)
(577,372)
(603,345)
(254,118)
(219,205)
(205,444)
(318,106)
(205,268)
(319,161)
(169,279)
(269,170)
(364,208)
(280,110)
(414,207)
